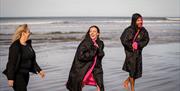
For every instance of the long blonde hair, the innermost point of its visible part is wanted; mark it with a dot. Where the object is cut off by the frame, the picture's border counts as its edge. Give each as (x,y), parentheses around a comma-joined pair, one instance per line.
(18,32)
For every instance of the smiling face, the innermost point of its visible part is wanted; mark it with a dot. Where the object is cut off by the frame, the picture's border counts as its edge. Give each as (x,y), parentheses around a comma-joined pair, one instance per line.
(93,33)
(26,34)
(139,22)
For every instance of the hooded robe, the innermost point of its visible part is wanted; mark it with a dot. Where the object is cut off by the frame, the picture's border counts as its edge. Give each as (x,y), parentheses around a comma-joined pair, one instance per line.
(83,61)
(133,60)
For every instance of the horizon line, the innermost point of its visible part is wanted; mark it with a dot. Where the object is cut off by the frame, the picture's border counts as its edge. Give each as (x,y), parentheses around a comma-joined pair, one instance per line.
(83,16)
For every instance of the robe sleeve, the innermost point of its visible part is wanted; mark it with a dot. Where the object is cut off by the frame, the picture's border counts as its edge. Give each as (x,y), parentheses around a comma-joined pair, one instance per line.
(86,52)
(36,68)
(126,39)
(144,41)
(12,61)
(100,50)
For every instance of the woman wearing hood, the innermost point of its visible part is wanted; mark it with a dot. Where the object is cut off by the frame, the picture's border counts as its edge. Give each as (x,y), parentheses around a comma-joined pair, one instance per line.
(134,39)
(87,66)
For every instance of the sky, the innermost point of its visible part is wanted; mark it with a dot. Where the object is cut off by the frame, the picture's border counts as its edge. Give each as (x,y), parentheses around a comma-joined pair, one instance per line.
(117,8)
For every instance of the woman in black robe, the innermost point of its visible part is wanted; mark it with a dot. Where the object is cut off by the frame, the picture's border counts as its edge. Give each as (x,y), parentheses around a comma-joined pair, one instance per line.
(134,39)
(87,67)
(21,60)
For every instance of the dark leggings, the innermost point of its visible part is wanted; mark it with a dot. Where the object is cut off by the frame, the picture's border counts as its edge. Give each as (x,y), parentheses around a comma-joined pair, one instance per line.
(21,82)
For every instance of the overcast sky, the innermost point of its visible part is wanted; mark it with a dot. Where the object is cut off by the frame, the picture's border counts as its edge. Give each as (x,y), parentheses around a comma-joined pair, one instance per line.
(33,8)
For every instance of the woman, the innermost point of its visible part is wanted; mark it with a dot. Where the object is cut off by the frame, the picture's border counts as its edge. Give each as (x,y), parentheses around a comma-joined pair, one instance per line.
(87,67)
(134,39)
(22,60)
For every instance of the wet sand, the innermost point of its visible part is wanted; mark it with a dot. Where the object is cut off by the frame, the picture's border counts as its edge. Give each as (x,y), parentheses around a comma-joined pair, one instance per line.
(161,66)
(55,41)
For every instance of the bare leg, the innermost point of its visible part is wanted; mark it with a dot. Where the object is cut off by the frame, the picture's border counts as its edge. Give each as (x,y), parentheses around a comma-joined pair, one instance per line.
(98,89)
(132,82)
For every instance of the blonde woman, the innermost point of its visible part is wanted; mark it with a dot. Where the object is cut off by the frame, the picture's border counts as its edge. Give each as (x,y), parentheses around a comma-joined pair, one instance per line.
(21,60)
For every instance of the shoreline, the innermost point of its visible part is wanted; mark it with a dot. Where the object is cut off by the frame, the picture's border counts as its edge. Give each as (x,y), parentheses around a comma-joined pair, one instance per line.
(57,62)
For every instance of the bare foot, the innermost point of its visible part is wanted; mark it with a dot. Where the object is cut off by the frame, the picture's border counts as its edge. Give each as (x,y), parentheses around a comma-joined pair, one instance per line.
(125,84)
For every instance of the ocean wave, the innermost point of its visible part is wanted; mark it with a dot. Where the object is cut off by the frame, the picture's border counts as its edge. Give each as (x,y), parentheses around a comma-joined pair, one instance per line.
(18,23)
(173,19)
(95,21)
(50,33)
(59,32)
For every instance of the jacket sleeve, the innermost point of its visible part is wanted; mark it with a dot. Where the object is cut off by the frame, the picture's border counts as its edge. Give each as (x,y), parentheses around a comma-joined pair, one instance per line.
(144,41)
(86,52)
(36,67)
(126,39)
(100,50)
(12,61)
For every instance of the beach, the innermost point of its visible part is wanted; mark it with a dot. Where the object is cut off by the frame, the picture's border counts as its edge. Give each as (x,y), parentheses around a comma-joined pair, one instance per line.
(55,42)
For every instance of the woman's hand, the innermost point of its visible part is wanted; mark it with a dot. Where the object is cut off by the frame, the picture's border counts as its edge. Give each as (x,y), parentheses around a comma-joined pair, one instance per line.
(10,83)
(135,45)
(96,45)
(41,74)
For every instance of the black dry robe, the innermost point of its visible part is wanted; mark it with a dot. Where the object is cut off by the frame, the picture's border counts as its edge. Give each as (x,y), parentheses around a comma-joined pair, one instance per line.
(83,60)
(133,60)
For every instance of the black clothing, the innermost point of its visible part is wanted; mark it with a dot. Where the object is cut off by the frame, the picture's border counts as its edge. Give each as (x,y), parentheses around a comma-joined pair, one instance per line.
(83,60)
(21,61)
(21,81)
(133,60)
(26,58)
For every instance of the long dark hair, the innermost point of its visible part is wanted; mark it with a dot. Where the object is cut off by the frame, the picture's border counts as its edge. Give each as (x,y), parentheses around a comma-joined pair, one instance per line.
(135,16)
(87,34)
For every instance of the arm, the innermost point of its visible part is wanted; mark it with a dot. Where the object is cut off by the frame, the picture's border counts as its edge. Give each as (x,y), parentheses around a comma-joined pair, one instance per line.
(142,43)
(86,52)
(36,66)
(12,61)
(100,49)
(40,72)
(37,69)
(126,39)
